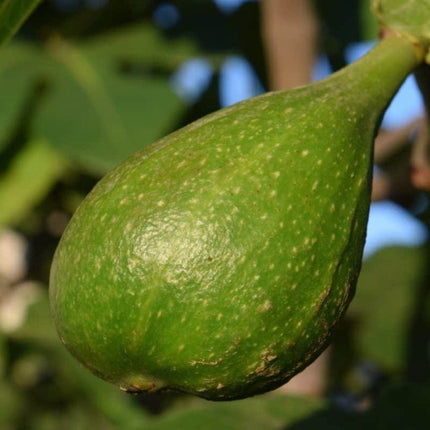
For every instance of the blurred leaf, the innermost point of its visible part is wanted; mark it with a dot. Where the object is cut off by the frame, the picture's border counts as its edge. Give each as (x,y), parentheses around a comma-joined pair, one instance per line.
(246,19)
(138,44)
(38,328)
(268,411)
(369,23)
(74,388)
(410,17)
(103,104)
(12,405)
(12,14)
(202,20)
(21,66)
(384,304)
(76,417)
(341,19)
(330,418)
(399,407)
(3,354)
(207,103)
(341,26)
(106,98)
(27,179)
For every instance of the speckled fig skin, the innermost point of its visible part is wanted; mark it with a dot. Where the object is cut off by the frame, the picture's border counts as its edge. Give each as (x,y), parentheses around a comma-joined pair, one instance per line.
(217,261)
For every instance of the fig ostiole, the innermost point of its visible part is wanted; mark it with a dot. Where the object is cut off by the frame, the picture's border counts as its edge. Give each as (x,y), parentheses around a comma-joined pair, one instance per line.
(218,260)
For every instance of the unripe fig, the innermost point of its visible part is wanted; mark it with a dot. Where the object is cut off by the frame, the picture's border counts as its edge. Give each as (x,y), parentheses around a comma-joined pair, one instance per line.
(218,260)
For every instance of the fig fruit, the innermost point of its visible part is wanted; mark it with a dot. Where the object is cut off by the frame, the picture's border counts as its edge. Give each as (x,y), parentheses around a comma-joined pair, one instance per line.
(217,261)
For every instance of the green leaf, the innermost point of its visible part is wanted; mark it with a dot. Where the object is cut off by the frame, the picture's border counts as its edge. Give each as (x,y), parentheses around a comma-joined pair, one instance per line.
(398,407)
(12,14)
(385,304)
(27,179)
(104,99)
(409,17)
(12,405)
(369,24)
(104,104)
(3,354)
(141,44)
(269,411)
(20,70)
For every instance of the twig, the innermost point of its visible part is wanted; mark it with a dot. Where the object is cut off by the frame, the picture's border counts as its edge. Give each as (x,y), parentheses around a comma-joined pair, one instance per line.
(389,143)
(290,35)
(420,159)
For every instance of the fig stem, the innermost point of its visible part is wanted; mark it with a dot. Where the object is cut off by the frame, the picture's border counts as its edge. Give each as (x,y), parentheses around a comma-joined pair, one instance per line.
(376,77)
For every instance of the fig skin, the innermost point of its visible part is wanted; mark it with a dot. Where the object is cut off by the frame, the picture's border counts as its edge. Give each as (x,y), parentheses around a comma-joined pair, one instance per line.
(218,260)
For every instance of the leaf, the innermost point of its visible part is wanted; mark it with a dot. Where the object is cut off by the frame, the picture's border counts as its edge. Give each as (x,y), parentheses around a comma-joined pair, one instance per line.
(105,99)
(410,17)
(385,302)
(20,70)
(341,19)
(398,407)
(104,104)
(27,179)
(141,44)
(401,406)
(12,405)
(3,354)
(369,24)
(12,14)
(268,411)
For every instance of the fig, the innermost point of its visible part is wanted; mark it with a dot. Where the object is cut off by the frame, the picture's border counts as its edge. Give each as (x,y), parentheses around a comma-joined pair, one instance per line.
(218,260)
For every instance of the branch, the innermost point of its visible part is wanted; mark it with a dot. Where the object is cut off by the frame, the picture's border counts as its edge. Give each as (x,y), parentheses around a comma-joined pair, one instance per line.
(290,36)
(420,160)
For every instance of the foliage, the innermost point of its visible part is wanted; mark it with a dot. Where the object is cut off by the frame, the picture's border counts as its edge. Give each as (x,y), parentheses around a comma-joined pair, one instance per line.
(12,15)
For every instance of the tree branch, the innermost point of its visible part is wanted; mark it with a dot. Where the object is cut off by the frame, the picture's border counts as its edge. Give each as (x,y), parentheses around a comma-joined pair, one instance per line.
(290,36)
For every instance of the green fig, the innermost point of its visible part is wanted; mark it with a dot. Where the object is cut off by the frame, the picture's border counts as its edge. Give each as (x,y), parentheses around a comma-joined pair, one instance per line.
(218,260)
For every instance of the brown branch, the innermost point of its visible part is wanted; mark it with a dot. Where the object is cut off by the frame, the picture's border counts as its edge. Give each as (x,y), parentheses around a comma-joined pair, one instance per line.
(290,35)
(389,143)
(381,188)
(420,159)
(396,181)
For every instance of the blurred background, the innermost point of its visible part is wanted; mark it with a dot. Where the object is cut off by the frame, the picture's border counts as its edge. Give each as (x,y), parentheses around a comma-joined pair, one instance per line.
(84,84)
